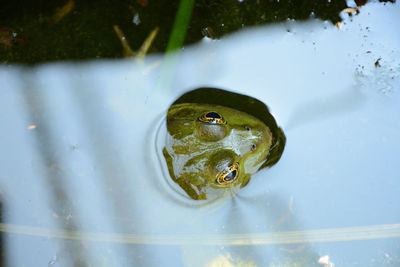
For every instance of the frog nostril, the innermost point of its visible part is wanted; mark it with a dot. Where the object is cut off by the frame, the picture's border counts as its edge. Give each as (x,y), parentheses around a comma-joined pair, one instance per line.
(253,147)
(248,128)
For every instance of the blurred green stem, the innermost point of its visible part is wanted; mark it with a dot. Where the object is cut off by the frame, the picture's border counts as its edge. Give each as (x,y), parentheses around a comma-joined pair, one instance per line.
(175,42)
(181,23)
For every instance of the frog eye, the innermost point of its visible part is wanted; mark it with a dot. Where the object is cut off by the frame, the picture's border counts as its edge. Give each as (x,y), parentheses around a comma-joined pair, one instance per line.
(212,118)
(228,175)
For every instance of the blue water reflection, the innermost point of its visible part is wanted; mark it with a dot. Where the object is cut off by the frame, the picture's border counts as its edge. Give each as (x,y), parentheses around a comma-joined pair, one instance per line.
(82,183)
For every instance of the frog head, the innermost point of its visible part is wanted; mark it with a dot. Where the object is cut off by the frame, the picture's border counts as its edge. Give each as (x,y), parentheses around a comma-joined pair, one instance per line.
(212,147)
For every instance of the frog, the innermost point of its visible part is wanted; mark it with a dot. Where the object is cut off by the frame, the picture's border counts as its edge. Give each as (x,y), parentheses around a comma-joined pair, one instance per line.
(211,147)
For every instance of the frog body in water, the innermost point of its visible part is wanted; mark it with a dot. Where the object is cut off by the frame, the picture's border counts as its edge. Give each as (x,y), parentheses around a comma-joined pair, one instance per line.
(212,147)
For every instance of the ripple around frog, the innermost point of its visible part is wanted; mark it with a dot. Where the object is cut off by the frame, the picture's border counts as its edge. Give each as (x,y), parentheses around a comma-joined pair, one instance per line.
(240,102)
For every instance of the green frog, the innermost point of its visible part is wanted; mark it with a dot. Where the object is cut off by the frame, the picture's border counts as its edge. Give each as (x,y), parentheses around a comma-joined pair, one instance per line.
(212,147)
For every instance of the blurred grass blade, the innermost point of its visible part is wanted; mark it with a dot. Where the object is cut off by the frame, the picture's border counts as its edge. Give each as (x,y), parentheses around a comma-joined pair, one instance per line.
(175,42)
(181,24)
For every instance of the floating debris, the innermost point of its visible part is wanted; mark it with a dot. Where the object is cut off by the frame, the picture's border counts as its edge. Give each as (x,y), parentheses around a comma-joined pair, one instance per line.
(52,261)
(377,64)
(9,37)
(63,11)
(208,32)
(351,10)
(31,127)
(136,19)
(360,3)
(324,260)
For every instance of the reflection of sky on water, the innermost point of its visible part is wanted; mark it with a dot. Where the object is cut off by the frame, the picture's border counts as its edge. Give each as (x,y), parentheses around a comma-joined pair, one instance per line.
(91,165)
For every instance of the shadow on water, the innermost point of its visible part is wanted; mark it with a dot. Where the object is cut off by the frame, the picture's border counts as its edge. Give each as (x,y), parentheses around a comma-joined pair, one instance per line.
(113,176)
(3,246)
(242,220)
(320,109)
(275,215)
(112,173)
(60,203)
(272,215)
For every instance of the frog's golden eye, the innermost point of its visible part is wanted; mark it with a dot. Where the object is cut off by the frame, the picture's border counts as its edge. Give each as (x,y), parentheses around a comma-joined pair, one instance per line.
(212,118)
(228,175)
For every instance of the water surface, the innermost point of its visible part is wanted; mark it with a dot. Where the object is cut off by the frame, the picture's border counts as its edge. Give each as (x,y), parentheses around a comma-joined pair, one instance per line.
(81,181)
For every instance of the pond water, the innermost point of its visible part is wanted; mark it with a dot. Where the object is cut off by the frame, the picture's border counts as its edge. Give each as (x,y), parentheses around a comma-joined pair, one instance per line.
(82,181)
